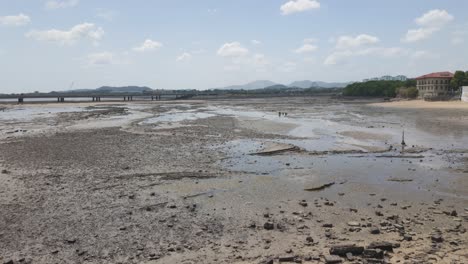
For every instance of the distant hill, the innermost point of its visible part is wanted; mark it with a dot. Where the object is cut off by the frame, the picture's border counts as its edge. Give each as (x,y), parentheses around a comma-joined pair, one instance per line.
(250,86)
(111,89)
(317,84)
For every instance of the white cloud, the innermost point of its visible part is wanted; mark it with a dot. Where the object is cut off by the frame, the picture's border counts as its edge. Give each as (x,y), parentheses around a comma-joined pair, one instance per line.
(57,4)
(18,20)
(148,45)
(101,58)
(306,48)
(348,42)
(414,35)
(256,42)
(435,18)
(430,23)
(383,52)
(233,49)
(295,6)
(68,37)
(184,57)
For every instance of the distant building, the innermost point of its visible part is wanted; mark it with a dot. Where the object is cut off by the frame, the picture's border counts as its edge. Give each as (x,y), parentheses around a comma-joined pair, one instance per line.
(464,96)
(400,78)
(387,78)
(434,85)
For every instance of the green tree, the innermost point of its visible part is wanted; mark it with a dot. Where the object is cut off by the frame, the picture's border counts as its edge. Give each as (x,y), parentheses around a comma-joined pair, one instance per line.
(458,80)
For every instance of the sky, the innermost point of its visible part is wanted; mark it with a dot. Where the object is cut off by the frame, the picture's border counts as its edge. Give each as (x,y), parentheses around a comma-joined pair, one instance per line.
(53,45)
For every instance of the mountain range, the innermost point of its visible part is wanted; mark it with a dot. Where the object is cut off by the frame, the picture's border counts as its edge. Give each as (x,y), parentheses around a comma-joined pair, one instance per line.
(261,84)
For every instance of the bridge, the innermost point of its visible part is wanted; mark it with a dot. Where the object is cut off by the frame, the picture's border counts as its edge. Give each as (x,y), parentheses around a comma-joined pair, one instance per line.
(98,97)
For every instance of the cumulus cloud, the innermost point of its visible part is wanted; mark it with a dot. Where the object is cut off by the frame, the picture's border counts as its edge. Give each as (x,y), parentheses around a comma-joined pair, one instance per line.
(296,6)
(57,4)
(382,52)
(101,58)
(184,57)
(68,37)
(233,50)
(306,48)
(434,18)
(429,23)
(148,45)
(361,45)
(349,42)
(15,20)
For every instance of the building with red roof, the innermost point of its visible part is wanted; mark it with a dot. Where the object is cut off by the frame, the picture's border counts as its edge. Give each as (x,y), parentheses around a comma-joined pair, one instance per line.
(434,85)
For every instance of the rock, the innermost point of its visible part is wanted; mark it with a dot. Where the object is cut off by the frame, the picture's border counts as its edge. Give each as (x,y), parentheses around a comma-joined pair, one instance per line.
(309,239)
(287,258)
(454,213)
(303,203)
(327,225)
(407,237)
(383,245)
(269,225)
(373,253)
(332,259)
(341,250)
(437,238)
(378,213)
(5,171)
(172,206)
(319,186)
(71,241)
(349,256)
(8,262)
(354,223)
(375,231)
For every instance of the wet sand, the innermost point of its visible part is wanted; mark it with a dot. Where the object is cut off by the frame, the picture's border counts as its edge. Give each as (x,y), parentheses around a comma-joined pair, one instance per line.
(424,104)
(225,182)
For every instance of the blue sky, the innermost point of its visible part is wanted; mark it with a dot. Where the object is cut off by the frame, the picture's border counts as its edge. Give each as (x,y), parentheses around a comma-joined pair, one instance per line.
(48,44)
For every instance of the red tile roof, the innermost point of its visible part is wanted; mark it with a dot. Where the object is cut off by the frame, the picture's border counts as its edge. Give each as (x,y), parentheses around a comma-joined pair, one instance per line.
(446,75)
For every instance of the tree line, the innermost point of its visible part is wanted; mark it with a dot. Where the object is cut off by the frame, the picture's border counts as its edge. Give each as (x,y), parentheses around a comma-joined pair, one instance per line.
(459,79)
(377,88)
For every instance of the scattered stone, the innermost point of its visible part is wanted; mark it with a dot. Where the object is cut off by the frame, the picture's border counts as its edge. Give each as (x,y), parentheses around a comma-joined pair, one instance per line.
(354,223)
(287,258)
(349,256)
(378,213)
(327,225)
(330,259)
(309,239)
(5,171)
(407,237)
(269,225)
(303,203)
(383,245)
(454,213)
(373,253)
(375,231)
(437,238)
(341,250)
(71,241)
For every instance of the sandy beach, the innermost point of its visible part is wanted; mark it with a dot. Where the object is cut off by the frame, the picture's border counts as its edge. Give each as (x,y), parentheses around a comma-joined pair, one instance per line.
(421,104)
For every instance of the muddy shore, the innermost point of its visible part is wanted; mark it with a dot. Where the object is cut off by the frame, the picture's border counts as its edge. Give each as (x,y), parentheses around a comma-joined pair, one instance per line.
(233,181)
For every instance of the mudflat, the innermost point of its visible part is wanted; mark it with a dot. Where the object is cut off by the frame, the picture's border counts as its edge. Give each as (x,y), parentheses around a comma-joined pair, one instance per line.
(233,181)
